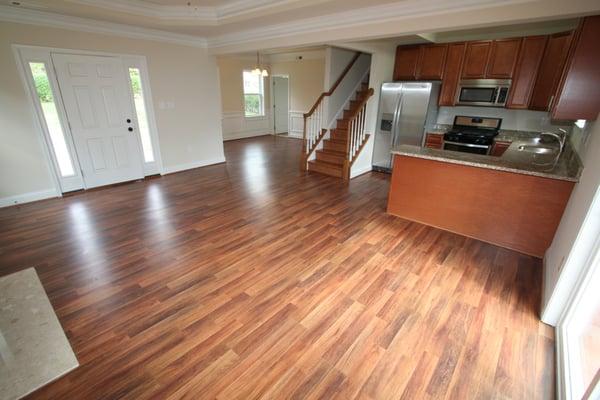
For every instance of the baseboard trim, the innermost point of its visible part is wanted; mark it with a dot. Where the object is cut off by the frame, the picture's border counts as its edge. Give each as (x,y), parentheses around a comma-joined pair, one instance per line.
(244,135)
(28,197)
(196,164)
(297,135)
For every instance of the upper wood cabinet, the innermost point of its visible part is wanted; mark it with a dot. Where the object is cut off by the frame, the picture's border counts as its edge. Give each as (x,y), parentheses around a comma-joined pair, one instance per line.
(476,59)
(549,72)
(407,58)
(431,61)
(454,60)
(578,95)
(530,57)
(503,58)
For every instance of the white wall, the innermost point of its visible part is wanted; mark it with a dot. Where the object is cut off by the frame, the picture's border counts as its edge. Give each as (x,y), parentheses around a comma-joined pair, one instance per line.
(575,236)
(520,120)
(189,133)
(336,59)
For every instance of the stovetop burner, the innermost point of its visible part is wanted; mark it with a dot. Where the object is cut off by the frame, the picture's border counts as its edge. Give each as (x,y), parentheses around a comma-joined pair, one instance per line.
(473,130)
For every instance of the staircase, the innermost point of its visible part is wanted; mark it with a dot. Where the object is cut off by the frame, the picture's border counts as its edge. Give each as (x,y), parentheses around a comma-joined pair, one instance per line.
(331,159)
(336,154)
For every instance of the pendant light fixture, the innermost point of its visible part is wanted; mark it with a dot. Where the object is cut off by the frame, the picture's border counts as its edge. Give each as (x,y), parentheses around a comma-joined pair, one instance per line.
(258,70)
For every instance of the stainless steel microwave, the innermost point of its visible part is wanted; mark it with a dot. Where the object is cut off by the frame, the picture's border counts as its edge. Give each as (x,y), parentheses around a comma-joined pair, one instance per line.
(483,92)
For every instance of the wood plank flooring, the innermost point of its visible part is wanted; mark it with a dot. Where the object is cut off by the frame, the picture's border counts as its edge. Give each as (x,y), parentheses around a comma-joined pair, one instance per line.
(252,280)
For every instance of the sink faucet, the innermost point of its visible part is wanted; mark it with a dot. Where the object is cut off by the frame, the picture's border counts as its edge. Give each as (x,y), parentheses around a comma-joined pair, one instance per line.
(561,138)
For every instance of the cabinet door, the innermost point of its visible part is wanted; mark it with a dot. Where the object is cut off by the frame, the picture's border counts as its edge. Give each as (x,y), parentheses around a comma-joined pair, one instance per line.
(503,58)
(454,60)
(431,61)
(530,57)
(578,96)
(476,59)
(551,67)
(434,140)
(407,58)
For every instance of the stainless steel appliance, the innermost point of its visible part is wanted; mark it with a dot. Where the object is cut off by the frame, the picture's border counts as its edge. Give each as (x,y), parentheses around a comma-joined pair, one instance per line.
(405,109)
(472,134)
(483,92)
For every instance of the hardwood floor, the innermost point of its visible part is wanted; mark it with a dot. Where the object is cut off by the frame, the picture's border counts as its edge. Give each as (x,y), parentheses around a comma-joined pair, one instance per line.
(253,280)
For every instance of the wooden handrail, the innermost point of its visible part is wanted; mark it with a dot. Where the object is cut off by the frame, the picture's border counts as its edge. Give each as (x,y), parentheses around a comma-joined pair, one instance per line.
(370,93)
(335,85)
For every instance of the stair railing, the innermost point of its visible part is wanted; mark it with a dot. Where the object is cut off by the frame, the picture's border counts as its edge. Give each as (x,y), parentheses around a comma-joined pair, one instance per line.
(357,135)
(315,120)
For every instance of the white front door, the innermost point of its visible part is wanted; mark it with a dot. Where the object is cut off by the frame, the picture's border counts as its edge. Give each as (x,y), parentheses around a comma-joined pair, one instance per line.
(280,103)
(100,113)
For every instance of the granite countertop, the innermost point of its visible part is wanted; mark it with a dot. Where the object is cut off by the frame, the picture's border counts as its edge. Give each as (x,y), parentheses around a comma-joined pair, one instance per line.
(567,167)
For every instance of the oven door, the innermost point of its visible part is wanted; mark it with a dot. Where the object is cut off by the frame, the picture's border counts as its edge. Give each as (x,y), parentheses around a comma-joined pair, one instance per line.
(467,147)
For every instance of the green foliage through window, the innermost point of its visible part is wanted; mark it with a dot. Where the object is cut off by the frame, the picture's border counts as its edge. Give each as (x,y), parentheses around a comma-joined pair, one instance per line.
(252,105)
(42,85)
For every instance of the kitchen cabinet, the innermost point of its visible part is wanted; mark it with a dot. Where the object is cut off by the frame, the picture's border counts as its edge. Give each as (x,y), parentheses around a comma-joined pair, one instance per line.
(434,140)
(498,148)
(431,62)
(578,95)
(476,59)
(454,59)
(405,67)
(503,58)
(528,63)
(549,73)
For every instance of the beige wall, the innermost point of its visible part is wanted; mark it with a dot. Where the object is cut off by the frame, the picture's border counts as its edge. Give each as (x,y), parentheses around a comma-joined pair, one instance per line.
(306,81)
(189,134)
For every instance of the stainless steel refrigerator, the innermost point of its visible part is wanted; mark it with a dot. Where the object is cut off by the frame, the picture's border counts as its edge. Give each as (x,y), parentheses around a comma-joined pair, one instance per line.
(406,109)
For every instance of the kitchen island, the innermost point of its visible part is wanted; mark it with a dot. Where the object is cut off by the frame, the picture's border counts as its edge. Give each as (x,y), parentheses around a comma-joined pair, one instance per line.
(514,201)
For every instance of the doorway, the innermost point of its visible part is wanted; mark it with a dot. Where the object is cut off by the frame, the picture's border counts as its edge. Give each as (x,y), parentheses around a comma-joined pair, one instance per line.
(578,330)
(95,115)
(280,103)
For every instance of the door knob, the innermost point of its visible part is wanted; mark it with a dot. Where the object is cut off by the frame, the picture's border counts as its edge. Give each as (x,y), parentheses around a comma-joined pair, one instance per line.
(130,129)
(128,120)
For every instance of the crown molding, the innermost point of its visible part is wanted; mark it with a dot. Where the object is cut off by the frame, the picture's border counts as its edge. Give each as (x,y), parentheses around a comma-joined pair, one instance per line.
(203,15)
(357,17)
(34,17)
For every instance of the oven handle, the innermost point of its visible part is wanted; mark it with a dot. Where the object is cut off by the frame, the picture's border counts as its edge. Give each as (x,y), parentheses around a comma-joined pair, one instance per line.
(479,146)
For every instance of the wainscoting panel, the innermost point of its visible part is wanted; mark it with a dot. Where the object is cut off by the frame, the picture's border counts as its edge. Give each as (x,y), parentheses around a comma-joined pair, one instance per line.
(236,126)
(296,123)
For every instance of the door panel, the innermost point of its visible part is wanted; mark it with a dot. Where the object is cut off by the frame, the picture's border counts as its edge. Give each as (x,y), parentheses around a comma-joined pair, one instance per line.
(476,59)
(98,104)
(280,102)
(405,67)
(454,61)
(412,113)
(551,67)
(503,58)
(526,71)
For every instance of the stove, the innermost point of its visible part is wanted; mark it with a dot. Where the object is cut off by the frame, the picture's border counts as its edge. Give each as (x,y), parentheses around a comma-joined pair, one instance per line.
(472,134)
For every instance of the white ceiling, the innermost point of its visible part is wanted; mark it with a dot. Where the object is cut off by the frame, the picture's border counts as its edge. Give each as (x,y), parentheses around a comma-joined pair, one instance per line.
(245,25)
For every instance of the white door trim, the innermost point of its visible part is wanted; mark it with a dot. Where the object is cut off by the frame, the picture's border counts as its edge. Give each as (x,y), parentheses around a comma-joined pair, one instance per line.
(138,61)
(565,354)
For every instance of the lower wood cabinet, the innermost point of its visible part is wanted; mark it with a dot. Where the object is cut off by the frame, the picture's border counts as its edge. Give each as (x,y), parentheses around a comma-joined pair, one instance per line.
(498,148)
(434,140)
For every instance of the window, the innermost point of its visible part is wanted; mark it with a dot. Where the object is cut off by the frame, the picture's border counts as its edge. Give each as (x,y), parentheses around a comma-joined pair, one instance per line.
(55,130)
(140,110)
(253,95)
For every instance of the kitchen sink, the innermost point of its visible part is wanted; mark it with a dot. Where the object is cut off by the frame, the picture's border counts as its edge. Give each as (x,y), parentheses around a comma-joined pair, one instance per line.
(538,149)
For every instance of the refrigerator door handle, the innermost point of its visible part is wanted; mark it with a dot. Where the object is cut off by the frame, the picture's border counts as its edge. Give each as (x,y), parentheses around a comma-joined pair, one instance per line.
(397,112)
